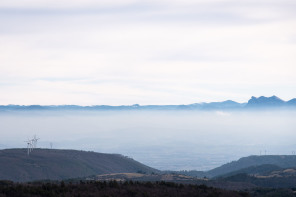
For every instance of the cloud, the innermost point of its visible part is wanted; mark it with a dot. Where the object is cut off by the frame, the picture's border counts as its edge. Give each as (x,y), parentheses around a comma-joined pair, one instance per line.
(124,52)
(63,3)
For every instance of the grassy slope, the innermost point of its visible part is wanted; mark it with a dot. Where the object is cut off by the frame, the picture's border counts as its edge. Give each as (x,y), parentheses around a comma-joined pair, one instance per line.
(283,161)
(63,164)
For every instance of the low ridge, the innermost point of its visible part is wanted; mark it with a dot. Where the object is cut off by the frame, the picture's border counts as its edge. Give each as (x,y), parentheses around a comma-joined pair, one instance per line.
(53,164)
(282,161)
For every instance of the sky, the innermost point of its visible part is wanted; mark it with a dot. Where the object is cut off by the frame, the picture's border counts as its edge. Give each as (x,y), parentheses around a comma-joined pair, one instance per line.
(122,52)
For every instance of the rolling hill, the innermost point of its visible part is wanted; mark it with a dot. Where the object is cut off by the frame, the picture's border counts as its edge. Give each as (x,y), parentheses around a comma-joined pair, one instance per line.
(249,165)
(282,161)
(264,169)
(54,164)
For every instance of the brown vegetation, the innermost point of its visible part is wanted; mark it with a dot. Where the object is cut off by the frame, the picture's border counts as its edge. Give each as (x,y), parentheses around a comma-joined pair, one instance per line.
(112,189)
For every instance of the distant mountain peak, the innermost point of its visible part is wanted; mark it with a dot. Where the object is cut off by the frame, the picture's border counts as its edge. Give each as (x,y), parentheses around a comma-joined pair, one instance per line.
(229,101)
(254,102)
(292,102)
(263,101)
(264,97)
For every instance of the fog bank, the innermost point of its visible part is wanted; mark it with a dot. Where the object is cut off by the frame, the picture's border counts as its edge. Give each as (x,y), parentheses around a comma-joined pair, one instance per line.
(167,140)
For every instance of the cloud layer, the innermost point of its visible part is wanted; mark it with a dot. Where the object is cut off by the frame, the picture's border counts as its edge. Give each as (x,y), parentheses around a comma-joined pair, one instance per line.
(147,52)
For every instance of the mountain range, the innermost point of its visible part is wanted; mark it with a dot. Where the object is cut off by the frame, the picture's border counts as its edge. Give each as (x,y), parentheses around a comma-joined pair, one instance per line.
(261,102)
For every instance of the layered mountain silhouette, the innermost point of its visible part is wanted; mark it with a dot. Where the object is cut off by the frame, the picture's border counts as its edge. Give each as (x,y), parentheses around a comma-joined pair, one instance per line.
(253,103)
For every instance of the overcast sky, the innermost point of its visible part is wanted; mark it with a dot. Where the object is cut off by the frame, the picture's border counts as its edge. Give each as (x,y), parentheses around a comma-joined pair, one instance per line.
(119,52)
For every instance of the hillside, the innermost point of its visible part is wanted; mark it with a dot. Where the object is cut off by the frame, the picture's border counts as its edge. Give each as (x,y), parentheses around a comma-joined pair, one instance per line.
(282,161)
(285,178)
(54,164)
(112,189)
(265,169)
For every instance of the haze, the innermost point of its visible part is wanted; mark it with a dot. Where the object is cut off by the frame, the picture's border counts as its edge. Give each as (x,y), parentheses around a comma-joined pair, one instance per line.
(167,140)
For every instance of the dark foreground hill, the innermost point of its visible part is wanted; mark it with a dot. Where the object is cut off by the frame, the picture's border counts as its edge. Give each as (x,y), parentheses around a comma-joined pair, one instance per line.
(276,179)
(113,189)
(54,164)
(130,188)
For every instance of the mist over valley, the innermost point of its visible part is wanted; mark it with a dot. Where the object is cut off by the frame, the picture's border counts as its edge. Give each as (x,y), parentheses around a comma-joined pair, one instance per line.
(165,140)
